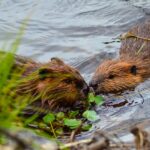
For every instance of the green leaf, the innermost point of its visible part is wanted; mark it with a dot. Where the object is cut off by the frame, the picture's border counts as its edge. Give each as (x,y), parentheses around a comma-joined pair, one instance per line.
(59,131)
(31,119)
(49,118)
(91,97)
(72,123)
(42,125)
(72,114)
(87,127)
(90,115)
(60,115)
(97,99)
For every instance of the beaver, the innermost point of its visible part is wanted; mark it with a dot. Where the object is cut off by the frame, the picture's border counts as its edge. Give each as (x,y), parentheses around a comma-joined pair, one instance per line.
(131,68)
(52,85)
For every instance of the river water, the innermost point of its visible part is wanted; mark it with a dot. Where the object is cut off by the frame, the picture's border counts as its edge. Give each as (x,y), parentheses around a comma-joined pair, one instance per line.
(82,32)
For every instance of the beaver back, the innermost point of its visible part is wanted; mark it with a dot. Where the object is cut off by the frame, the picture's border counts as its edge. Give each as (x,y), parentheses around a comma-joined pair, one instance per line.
(136,42)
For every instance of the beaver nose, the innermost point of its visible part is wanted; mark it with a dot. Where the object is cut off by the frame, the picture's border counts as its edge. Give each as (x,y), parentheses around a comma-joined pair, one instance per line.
(93,84)
(85,90)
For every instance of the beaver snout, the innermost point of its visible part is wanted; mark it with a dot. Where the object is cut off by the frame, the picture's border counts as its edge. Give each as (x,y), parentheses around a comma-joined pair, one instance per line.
(96,84)
(85,90)
(93,85)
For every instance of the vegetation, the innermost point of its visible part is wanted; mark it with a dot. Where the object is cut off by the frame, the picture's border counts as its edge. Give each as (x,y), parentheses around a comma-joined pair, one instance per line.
(56,124)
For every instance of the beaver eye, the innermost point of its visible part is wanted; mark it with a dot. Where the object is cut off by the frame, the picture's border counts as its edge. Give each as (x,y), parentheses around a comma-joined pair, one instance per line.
(68,81)
(133,70)
(111,76)
(43,72)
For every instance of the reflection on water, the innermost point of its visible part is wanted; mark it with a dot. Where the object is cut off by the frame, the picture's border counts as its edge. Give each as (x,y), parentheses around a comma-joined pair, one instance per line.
(79,31)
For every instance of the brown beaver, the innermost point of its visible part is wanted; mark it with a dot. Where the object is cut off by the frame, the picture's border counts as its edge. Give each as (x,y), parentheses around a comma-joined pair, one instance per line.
(52,85)
(131,68)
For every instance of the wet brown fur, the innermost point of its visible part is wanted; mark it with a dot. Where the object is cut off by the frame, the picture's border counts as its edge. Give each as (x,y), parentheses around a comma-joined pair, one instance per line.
(51,85)
(117,75)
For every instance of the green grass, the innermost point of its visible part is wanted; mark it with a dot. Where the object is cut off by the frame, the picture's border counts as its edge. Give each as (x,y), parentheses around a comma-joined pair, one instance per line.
(10,106)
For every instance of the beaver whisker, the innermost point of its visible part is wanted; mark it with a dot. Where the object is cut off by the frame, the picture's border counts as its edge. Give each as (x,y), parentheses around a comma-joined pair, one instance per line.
(26,89)
(58,90)
(52,104)
(27,83)
(34,94)
(57,96)
(54,94)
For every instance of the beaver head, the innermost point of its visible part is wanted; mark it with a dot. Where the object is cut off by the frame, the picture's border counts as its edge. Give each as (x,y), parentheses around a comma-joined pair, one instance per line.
(114,76)
(53,84)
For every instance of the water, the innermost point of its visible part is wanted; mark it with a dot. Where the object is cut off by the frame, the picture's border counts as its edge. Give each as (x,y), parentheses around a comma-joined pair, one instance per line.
(82,32)
(68,28)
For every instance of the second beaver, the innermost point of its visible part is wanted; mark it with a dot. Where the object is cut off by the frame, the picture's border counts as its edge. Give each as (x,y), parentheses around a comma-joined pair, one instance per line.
(52,86)
(131,68)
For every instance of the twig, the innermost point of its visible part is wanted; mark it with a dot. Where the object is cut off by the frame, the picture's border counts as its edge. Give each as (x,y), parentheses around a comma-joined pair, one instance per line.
(73,133)
(100,145)
(53,130)
(140,49)
(75,143)
(129,34)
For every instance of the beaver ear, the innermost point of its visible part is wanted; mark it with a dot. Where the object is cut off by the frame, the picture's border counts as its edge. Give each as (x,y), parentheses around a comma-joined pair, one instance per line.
(57,60)
(133,70)
(44,72)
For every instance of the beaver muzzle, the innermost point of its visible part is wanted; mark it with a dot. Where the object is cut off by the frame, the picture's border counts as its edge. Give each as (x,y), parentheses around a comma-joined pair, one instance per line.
(95,84)
(85,90)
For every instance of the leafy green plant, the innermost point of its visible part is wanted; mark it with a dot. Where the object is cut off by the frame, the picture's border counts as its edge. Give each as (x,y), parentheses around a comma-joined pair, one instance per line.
(49,118)
(86,127)
(60,115)
(59,123)
(90,115)
(98,100)
(72,123)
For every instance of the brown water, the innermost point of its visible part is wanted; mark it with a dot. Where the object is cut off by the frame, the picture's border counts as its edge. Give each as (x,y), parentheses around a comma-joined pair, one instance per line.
(83,33)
